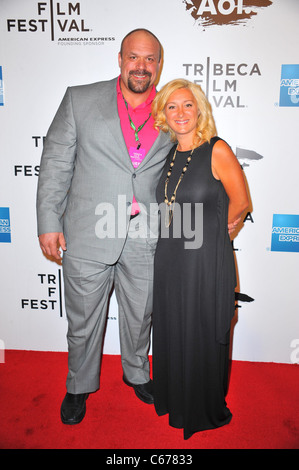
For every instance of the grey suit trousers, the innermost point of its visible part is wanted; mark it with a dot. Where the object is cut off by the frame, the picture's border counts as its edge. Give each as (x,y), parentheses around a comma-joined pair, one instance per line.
(88,285)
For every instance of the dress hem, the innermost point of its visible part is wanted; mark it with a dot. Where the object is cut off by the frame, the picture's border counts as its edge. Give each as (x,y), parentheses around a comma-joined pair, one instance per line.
(188,434)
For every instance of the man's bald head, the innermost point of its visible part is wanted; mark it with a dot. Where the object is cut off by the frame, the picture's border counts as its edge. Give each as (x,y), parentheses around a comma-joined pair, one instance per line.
(145,32)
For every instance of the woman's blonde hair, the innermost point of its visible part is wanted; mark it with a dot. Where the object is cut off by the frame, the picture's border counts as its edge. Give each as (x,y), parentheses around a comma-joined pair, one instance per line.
(206,128)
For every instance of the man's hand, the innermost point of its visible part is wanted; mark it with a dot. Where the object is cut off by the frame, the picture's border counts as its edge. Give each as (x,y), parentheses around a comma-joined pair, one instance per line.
(51,243)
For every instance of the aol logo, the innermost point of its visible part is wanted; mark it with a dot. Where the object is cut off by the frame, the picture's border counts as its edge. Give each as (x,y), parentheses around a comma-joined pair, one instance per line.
(225,7)
(295,353)
(224,12)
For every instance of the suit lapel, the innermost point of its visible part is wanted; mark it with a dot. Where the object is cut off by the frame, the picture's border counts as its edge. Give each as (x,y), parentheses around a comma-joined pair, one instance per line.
(161,141)
(107,103)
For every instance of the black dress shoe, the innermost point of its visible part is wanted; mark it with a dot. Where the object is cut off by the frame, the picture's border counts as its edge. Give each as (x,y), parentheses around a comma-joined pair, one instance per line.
(73,408)
(143,391)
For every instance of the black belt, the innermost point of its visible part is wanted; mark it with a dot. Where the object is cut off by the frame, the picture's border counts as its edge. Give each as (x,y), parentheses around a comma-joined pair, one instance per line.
(134,215)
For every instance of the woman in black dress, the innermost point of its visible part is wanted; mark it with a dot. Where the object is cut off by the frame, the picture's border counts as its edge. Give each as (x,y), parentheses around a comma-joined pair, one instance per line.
(201,196)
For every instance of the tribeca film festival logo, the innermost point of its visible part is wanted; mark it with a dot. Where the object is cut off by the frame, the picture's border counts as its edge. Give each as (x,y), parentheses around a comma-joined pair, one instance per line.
(29,169)
(52,299)
(62,21)
(289,85)
(224,12)
(5,230)
(285,233)
(220,81)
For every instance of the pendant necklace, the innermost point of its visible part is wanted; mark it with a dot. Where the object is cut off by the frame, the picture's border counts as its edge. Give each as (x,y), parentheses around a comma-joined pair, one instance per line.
(170,203)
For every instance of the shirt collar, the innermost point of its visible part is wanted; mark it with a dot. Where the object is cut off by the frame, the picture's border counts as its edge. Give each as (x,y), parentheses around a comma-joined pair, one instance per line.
(142,105)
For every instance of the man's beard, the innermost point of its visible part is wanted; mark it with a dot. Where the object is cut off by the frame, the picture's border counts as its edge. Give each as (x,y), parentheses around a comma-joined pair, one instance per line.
(139,86)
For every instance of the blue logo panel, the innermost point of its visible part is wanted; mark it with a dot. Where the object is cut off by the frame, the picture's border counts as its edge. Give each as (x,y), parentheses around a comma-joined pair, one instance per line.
(5,233)
(285,233)
(1,88)
(289,85)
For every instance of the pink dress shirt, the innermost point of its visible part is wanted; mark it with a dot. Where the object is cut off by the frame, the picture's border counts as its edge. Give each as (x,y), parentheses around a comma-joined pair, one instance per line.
(147,135)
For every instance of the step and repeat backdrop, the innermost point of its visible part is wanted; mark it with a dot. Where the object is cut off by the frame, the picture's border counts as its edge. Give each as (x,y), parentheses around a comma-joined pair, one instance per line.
(244,54)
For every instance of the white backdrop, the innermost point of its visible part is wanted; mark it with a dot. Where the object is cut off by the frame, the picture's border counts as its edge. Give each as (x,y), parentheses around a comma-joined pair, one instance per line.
(245,55)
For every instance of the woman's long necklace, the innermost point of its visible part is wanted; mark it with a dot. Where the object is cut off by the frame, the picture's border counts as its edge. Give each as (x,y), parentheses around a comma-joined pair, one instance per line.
(170,203)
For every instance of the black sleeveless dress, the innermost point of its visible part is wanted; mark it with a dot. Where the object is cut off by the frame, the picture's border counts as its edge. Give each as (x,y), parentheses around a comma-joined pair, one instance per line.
(194,298)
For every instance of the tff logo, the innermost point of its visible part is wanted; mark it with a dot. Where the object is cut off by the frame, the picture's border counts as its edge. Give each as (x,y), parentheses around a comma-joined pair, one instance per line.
(65,17)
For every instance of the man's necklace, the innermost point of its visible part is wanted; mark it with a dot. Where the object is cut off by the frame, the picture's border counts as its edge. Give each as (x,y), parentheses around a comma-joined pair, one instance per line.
(136,131)
(170,203)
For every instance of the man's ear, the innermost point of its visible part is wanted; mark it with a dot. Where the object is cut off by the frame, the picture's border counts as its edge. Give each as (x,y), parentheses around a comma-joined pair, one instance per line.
(119,60)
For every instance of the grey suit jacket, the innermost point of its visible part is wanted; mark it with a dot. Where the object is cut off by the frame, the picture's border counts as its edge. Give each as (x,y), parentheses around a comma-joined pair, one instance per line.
(87,181)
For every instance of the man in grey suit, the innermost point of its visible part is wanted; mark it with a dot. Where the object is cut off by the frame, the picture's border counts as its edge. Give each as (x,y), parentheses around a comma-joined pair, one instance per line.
(101,162)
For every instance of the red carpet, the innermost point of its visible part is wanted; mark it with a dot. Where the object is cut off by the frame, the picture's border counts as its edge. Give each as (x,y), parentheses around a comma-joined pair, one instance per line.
(263,397)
